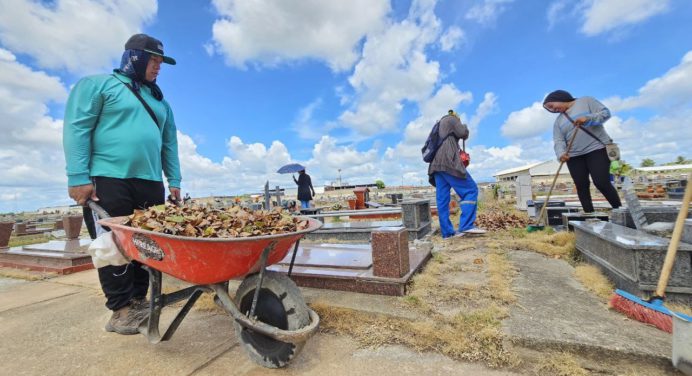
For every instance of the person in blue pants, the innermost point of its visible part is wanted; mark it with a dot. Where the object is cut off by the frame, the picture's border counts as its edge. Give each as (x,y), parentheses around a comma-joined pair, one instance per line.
(467,190)
(447,172)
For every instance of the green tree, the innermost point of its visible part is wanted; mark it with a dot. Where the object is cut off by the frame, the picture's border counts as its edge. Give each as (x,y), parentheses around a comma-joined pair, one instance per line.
(681,160)
(380,184)
(647,162)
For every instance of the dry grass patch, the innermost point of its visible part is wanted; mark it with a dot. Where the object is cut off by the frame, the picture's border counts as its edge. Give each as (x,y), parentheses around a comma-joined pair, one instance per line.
(26,275)
(470,337)
(559,364)
(558,245)
(18,241)
(472,334)
(592,278)
(501,272)
(680,308)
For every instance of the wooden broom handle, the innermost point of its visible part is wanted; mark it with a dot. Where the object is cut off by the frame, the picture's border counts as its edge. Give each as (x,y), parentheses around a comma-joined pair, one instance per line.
(550,192)
(674,241)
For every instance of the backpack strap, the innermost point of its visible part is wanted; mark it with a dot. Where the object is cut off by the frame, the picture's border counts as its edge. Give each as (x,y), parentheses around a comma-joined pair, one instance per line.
(144,103)
(584,129)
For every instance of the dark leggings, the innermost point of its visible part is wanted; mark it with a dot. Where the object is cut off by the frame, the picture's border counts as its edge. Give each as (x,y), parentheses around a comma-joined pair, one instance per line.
(121,197)
(596,164)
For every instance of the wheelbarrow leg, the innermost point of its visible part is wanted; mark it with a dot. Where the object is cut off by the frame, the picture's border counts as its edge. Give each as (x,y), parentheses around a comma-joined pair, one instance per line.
(155,306)
(293,258)
(263,264)
(158,301)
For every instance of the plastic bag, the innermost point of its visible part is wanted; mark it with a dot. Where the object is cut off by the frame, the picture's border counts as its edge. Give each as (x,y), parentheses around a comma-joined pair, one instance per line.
(465,158)
(104,251)
(613,151)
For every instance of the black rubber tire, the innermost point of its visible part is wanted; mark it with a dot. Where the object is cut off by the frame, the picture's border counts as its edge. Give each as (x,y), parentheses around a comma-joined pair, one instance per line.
(280,304)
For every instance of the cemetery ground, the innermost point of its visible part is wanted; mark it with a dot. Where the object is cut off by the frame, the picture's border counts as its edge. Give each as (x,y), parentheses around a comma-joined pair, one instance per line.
(508,303)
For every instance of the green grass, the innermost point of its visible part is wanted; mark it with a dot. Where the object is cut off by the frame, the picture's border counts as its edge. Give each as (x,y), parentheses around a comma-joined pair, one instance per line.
(18,241)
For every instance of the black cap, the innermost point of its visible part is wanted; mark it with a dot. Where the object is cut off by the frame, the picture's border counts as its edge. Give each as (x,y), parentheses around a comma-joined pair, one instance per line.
(149,44)
(558,96)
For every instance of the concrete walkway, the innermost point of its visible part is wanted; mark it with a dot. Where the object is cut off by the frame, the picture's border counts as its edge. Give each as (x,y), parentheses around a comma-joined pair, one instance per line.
(555,311)
(55,327)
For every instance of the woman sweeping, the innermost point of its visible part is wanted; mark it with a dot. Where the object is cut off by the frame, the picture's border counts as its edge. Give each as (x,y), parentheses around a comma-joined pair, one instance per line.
(587,156)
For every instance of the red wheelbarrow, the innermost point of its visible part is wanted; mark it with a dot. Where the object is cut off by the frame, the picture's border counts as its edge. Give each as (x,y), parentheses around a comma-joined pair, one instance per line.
(271,319)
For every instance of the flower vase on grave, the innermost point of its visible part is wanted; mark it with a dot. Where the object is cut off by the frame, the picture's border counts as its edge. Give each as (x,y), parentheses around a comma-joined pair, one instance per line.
(5,232)
(72,225)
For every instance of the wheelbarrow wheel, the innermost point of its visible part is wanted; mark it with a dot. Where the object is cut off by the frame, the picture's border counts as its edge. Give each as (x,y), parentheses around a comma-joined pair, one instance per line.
(280,304)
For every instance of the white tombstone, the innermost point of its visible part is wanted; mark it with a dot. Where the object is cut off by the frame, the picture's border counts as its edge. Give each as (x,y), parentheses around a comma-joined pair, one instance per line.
(523,188)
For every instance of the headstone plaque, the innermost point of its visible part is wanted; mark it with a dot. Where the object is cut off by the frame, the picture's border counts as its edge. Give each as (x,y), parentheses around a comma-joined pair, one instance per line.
(633,204)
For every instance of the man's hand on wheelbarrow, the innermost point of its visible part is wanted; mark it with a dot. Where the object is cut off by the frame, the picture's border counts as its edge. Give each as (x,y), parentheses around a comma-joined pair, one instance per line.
(175,196)
(81,193)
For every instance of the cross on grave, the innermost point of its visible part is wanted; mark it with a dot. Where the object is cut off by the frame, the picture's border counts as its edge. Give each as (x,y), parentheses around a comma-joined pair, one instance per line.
(267,196)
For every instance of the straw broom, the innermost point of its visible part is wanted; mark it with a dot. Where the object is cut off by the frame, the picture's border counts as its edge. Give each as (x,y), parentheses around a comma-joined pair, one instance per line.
(652,311)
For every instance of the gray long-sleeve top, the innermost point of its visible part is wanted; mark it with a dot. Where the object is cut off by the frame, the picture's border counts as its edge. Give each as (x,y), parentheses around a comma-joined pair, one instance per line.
(447,156)
(563,129)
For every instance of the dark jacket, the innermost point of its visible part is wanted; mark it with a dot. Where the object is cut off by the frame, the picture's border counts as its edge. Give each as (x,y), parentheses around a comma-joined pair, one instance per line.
(305,189)
(447,156)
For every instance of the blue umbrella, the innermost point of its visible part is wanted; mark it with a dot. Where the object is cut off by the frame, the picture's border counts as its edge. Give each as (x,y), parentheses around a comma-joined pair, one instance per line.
(291,168)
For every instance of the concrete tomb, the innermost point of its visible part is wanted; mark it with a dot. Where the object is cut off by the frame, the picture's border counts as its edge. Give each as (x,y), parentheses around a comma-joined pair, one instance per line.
(633,259)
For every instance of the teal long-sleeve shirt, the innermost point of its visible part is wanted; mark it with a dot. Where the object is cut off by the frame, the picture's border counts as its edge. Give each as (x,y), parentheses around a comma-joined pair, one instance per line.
(108,132)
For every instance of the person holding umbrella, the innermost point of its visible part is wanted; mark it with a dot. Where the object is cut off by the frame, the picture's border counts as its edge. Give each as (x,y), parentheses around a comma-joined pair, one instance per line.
(305,189)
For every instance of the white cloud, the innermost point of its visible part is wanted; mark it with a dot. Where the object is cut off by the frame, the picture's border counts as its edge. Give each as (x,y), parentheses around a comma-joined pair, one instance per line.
(70,34)
(527,122)
(328,157)
(672,90)
(275,31)
(557,11)
(31,158)
(393,68)
(487,107)
(304,124)
(661,138)
(606,15)
(452,38)
(487,12)
(416,131)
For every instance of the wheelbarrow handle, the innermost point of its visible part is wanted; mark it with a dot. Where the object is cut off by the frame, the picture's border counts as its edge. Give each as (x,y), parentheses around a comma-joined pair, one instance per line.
(96,208)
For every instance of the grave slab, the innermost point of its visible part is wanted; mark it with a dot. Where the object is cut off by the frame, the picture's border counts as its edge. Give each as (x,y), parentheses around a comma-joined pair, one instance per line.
(339,256)
(313,272)
(566,217)
(633,259)
(62,257)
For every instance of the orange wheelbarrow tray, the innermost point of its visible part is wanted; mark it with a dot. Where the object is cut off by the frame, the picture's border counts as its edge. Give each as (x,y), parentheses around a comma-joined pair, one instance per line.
(266,304)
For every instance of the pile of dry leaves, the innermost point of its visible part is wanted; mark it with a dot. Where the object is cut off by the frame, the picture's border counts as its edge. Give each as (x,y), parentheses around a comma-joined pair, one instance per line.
(201,222)
(500,220)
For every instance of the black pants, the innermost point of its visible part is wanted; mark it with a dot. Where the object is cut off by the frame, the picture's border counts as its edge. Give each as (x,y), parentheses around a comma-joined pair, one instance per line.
(596,164)
(121,197)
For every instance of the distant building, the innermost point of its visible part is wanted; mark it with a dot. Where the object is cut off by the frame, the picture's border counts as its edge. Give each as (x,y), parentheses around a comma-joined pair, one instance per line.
(525,182)
(348,187)
(661,173)
(60,209)
(542,172)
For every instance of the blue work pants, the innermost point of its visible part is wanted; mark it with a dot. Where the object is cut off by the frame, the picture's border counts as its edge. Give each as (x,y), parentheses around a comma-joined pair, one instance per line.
(467,190)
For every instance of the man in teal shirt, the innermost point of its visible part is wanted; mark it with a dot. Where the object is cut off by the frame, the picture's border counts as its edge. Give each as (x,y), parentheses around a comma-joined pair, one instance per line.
(118,136)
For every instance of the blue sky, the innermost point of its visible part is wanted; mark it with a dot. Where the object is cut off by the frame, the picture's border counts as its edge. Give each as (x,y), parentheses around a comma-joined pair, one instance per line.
(350,85)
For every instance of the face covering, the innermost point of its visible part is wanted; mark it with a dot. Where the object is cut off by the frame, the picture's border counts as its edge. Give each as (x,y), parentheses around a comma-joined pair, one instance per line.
(133,64)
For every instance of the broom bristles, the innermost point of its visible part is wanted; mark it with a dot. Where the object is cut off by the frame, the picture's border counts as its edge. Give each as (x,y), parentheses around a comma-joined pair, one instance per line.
(642,314)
